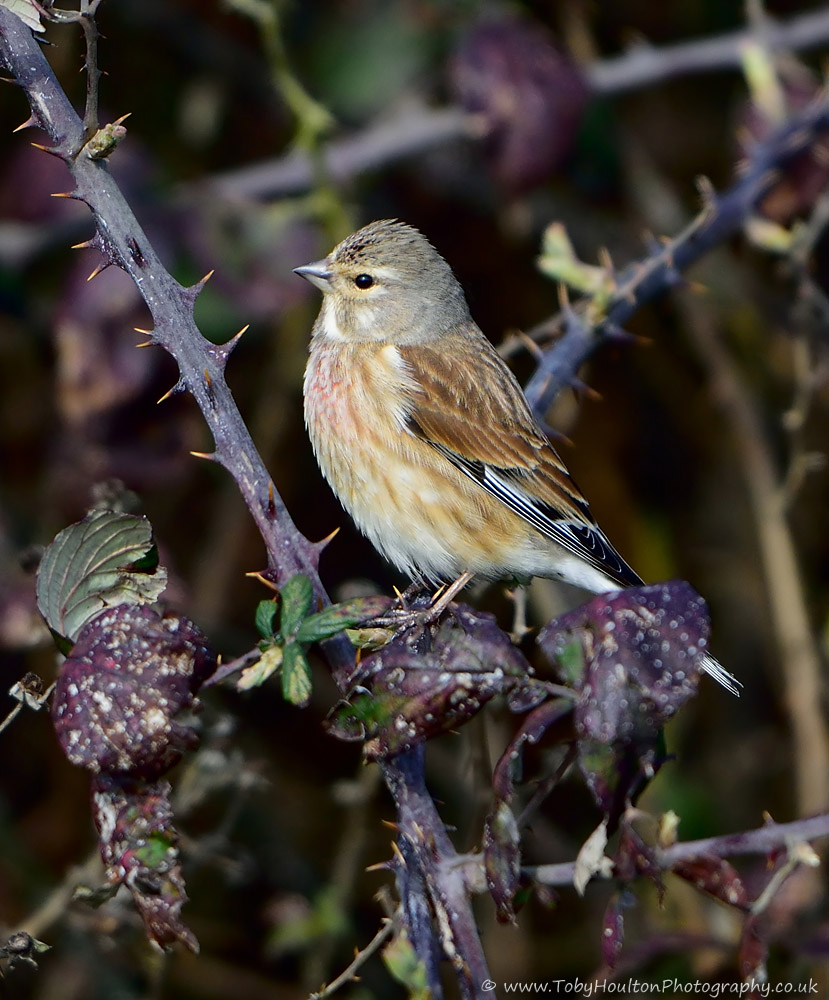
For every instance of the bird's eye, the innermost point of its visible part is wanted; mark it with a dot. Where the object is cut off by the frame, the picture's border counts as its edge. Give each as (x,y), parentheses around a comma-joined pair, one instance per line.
(364,281)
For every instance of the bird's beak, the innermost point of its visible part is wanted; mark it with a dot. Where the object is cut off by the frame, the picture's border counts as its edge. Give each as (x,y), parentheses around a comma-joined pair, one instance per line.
(318,273)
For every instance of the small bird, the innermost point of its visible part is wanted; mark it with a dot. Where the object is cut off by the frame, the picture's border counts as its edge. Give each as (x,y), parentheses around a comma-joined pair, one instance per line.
(425,435)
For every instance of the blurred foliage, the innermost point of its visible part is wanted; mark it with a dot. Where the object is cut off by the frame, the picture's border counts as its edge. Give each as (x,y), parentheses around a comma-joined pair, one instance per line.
(277,816)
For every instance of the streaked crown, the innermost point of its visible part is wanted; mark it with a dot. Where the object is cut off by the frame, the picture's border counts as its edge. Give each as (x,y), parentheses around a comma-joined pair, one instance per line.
(387,282)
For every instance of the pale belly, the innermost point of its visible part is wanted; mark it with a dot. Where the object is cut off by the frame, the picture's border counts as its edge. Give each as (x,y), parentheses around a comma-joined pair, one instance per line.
(417,509)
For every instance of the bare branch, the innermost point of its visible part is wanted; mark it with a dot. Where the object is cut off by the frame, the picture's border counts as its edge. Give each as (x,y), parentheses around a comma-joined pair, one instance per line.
(763,840)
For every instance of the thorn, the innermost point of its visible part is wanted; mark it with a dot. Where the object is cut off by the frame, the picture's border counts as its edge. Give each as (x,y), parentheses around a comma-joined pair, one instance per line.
(208,379)
(86,245)
(398,853)
(708,194)
(271,504)
(180,386)
(101,267)
(31,122)
(616,333)
(208,456)
(582,388)
(147,343)
(389,825)
(259,575)
(380,866)
(122,119)
(323,542)
(195,290)
(418,830)
(532,348)
(225,350)
(606,261)
(64,194)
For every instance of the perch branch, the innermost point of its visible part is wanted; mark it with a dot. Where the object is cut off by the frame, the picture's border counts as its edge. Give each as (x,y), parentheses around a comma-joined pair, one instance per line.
(432,896)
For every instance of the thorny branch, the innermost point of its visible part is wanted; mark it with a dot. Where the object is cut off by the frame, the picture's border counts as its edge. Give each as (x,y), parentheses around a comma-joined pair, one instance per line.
(432,892)
(723,215)
(764,840)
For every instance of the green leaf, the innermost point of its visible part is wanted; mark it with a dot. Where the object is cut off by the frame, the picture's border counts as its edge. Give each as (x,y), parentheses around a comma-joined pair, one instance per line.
(104,560)
(327,622)
(266,618)
(296,595)
(296,675)
(323,624)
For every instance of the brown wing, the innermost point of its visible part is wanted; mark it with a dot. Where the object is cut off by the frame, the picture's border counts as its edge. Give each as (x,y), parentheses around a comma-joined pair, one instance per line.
(468,406)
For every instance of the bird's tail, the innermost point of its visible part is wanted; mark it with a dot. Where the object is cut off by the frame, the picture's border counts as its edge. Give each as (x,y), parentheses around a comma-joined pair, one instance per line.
(716,670)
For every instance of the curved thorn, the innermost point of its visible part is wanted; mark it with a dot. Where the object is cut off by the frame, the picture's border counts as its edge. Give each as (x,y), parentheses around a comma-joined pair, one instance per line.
(176,389)
(99,268)
(323,542)
(259,575)
(208,456)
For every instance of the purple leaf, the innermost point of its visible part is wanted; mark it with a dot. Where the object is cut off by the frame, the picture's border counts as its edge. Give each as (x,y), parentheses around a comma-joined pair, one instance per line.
(714,876)
(119,692)
(634,657)
(502,859)
(426,682)
(530,95)
(139,846)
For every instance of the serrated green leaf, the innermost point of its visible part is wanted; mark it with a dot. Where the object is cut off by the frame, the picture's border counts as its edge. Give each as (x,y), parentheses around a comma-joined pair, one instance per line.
(96,563)
(323,624)
(296,595)
(296,675)
(326,623)
(257,673)
(25,11)
(266,618)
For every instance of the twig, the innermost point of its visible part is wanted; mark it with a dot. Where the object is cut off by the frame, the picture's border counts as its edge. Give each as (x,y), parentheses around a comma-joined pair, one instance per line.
(644,65)
(763,840)
(722,216)
(359,960)
(407,134)
(415,132)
